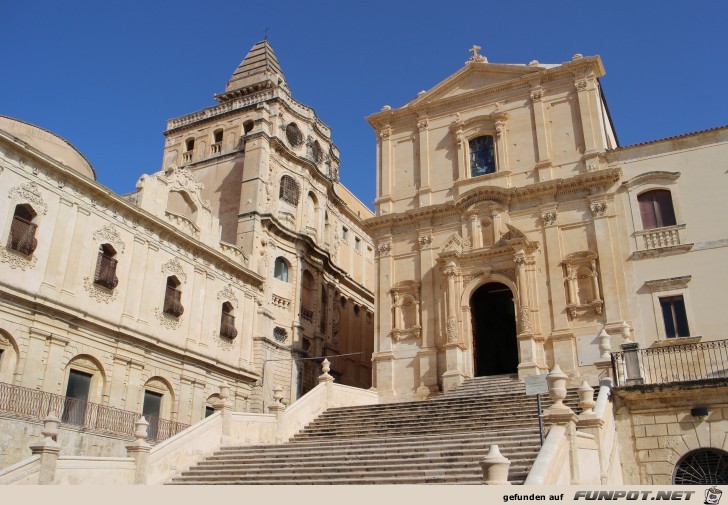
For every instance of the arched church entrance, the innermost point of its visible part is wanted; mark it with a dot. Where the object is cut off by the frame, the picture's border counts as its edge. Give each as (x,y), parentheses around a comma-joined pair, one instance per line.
(495,348)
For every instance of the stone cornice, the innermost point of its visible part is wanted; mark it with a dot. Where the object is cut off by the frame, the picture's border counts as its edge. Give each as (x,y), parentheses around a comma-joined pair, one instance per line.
(314,252)
(505,196)
(654,176)
(585,65)
(129,215)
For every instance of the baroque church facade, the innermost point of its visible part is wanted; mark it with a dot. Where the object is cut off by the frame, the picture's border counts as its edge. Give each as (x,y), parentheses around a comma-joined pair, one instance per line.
(512,234)
(238,262)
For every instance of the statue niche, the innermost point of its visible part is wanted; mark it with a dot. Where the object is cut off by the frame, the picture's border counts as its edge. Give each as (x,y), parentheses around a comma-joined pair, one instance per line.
(406,310)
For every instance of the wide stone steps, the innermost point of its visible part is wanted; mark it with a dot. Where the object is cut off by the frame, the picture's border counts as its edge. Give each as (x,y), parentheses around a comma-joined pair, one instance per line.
(440,440)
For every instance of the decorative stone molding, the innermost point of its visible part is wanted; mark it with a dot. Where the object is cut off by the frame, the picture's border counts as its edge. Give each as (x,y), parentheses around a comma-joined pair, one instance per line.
(384,249)
(452,329)
(385,133)
(454,244)
(424,241)
(406,310)
(423,124)
(167,321)
(98,293)
(29,193)
(549,217)
(655,176)
(280,302)
(109,234)
(478,58)
(225,344)
(598,209)
(582,282)
(227,294)
(536,95)
(580,84)
(668,284)
(16,259)
(174,267)
(525,320)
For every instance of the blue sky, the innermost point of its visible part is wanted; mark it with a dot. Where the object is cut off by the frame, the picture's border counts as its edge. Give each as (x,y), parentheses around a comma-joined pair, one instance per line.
(107,75)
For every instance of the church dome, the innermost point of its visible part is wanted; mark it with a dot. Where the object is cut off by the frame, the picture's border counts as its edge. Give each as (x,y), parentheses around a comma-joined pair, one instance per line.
(49,144)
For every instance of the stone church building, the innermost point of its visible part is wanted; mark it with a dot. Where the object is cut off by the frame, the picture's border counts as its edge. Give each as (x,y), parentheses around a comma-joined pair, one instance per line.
(513,235)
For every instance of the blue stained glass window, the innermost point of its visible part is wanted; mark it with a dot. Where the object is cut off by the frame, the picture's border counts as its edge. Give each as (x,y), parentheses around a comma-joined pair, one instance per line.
(482,156)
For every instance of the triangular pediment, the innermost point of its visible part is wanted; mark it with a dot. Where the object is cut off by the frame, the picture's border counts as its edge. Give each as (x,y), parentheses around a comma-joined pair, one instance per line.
(475,76)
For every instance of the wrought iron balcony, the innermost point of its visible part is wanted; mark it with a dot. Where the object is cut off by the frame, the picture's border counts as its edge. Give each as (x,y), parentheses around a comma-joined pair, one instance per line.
(106,272)
(172,302)
(227,326)
(22,236)
(307,315)
(668,364)
(34,404)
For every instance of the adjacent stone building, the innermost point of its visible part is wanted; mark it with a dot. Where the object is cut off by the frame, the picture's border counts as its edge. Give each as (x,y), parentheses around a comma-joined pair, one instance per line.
(241,261)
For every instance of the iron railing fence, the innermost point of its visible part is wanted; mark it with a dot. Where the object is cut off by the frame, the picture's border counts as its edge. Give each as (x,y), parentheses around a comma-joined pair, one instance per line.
(673,363)
(36,404)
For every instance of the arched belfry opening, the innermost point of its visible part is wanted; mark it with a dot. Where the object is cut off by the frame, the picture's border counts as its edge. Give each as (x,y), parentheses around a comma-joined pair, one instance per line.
(495,347)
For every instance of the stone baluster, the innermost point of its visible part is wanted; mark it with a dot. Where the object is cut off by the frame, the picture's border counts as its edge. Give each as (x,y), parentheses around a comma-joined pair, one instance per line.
(139,450)
(48,449)
(495,467)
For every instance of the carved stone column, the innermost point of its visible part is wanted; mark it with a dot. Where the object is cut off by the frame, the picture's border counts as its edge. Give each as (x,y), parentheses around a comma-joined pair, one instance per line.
(539,116)
(599,207)
(453,375)
(476,233)
(451,329)
(384,200)
(424,190)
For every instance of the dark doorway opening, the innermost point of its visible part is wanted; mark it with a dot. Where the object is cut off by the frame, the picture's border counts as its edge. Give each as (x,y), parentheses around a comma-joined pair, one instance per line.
(74,406)
(495,348)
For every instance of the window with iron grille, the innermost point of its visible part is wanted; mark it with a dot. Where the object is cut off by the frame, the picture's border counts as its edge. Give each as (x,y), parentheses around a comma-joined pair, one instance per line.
(22,231)
(227,322)
(106,268)
(316,152)
(702,467)
(173,298)
(289,191)
(293,134)
(280,334)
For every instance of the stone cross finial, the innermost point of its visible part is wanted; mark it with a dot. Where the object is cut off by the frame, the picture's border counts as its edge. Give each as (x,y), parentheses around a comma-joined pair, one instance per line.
(476,56)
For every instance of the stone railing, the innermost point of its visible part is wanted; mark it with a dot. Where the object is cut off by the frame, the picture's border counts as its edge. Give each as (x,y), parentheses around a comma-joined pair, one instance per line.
(234,252)
(578,449)
(281,302)
(216,148)
(660,238)
(183,223)
(155,465)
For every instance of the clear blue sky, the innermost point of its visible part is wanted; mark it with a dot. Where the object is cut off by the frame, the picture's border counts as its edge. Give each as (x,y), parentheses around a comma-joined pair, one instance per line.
(107,75)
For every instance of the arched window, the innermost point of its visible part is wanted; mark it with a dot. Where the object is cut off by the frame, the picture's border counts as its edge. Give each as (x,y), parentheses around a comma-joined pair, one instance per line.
(280,270)
(158,402)
(216,147)
(289,191)
(317,152)
(702,467)
(482,155)
(656,209)
(227,322)
(173,297)
(217,136)
(248,126)
(311,211)
(293,134)
(106,268)
(190,145)
(22,230)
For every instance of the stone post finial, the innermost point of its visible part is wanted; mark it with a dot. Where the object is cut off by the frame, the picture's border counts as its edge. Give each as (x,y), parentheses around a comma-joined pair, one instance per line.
(586,398)
(556,380)
(50,426)
(626,332)
(277,406)
(605,344)
(495,467)
(141,426)
(325,368)
(224,391)
(278,393)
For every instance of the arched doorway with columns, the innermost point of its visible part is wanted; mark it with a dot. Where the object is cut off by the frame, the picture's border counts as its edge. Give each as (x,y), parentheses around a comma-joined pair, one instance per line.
(493,322)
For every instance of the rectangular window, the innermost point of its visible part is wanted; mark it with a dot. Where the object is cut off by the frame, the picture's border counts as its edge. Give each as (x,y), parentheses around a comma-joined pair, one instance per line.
(150,410)
(344,233)
(674,316)
(74,408)
(209,411)
(357,243)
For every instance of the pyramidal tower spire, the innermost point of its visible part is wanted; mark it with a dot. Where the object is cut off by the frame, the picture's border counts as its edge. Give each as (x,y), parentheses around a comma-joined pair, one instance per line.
(259,70)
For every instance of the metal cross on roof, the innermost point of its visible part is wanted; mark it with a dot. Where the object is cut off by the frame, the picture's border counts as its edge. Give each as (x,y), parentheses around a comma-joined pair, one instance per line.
(475,50)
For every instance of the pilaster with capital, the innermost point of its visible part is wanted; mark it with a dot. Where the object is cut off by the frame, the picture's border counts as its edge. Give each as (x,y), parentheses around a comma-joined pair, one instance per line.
(385,270)
(427,263)
(605,241)
(554,272)
(451,326)
(541,124)
(385,160)
(423,192)
(476,231)
(589,111)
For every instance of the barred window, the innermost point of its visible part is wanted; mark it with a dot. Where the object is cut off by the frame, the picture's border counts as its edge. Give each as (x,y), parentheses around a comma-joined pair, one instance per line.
(22,230)
(280,334)
(317,152)
(106,268)
(173,298)
(293,134)
(227,322)
(289,191)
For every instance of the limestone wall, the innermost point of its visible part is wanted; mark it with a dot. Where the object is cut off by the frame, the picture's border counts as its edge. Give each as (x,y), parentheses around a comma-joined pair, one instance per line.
(16,436)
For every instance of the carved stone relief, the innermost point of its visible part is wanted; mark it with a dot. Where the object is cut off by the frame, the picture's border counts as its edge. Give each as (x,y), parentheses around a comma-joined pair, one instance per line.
(174,267)
(109,234)
(29,193)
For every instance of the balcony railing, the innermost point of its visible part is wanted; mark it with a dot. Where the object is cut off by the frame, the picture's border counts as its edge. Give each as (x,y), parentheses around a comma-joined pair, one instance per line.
(306,315)
(671,363)
(35,404)
(22,236)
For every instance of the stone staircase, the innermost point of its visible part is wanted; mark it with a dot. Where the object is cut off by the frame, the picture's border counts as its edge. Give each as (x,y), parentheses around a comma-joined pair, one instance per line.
(435,441)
